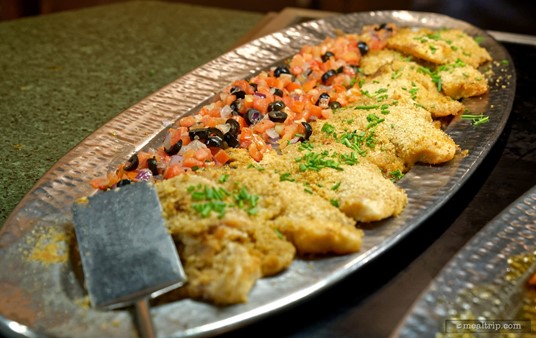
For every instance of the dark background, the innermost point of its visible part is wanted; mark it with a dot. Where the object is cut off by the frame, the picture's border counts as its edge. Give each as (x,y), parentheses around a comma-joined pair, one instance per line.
(517,16)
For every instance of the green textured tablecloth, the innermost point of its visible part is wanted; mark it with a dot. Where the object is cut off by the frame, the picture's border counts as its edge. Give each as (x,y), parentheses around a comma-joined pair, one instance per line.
(64,75)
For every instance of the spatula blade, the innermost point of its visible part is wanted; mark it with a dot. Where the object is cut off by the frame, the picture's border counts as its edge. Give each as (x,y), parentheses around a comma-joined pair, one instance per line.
(125,249)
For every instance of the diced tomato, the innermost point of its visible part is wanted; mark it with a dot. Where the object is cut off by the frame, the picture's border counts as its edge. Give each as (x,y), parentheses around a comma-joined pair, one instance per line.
(292,86)
(173,171)
(254,152)
(203,154)
(246,136)
(261,104)
(221,157)
(327,113)
(100,183)
(288,133)
(142,158)
(209,121)
(314,110)
(309,85)
(191,162)
(262,126)
(187,121)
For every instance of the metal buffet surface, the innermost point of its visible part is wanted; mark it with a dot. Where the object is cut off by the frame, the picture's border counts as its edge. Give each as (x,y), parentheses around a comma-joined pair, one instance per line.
(429,189)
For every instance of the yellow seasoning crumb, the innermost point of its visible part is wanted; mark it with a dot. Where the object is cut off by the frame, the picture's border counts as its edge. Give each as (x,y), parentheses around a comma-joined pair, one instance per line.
(17,146)
(51,248)
(83,302)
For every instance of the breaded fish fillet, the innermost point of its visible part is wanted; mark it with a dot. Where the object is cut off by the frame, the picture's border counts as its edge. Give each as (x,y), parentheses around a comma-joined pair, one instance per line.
(439,47)
(359,190)
(410,81)
(224,253)
(414,137)
(222,257)
(308,221)
(459,81)
(375,59)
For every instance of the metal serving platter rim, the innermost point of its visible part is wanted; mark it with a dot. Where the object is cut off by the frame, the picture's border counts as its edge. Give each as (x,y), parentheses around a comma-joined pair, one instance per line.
(476,271)
(51,291)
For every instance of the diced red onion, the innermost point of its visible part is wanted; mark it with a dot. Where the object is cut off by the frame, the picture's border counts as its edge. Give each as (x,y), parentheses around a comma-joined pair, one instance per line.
(167,141)
(175,159)
(294,140)
(273,136)
(224,128)
(195,145)
(261,95)
(226,112)
(144,175)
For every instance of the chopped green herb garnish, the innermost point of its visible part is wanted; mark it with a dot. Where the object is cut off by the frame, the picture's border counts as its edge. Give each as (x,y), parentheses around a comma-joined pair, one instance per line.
(370,107)
(349,159)
(373,120)
(316,161)
(210,199)
(256,166)
(334,202)
(223,178)
(476,119)
(479,39)
(305,145)
(286,177)
(396,175)
(336,186)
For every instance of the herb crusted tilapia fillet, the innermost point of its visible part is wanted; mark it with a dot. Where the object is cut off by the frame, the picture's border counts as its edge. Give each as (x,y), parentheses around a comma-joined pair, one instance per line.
(439,46)
(334,172)
(253,227)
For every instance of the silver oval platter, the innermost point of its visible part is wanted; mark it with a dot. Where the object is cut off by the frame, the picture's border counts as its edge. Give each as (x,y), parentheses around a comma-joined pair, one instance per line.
(47,299)
(478,284)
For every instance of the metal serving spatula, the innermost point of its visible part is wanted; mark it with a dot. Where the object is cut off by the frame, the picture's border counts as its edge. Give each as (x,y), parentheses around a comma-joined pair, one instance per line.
(127,255)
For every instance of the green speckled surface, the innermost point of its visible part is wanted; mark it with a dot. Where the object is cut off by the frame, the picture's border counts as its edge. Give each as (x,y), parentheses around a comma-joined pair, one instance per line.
(64,75)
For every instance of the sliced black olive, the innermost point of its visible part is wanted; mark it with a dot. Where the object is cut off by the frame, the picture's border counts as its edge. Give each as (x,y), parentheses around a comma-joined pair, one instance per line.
(276,105)
(151,164)
(253,116)
(334,105)
(308,131)
(325,57)
(328,75)
(235,106)
(133,162)
(231,140)
(254,85)
(340,69)
(323,100)
(281,70)
(215,141)
(235,126)
(123,182)
(198,133)
(384,26)
(278,92)
(239,93)
(363,47)
(174,149)
(215,132)
(277,116)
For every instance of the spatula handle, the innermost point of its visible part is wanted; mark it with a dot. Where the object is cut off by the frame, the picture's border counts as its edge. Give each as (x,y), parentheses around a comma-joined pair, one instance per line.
(144,319)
